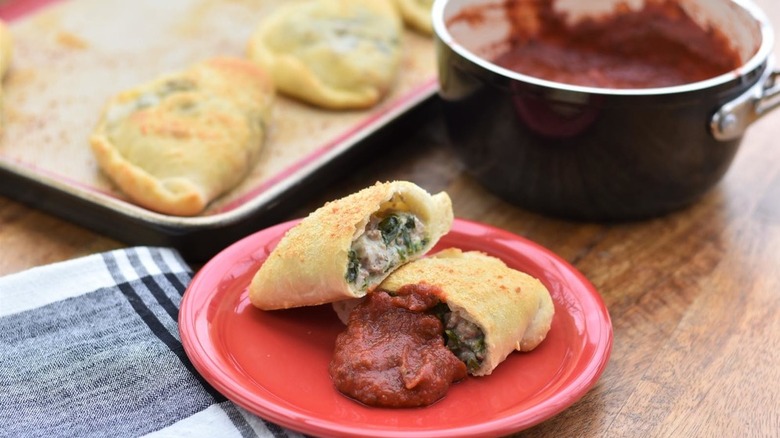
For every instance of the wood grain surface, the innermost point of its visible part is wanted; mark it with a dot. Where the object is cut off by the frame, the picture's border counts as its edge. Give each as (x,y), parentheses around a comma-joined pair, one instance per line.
(694,296)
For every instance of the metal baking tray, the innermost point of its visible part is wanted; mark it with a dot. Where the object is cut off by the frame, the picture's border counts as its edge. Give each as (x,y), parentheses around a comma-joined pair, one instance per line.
(71,56)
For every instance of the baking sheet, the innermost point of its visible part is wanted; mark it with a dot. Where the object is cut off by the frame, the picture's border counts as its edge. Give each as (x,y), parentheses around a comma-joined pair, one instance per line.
(71,56)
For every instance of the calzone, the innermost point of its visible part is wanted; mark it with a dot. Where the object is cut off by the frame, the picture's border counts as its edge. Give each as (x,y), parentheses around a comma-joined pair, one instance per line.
(178,142)
(336,54)
(345,248)
(488,309)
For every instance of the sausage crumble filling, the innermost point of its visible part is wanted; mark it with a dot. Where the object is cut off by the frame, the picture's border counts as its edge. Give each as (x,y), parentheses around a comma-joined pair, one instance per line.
(390,238)
(464,338)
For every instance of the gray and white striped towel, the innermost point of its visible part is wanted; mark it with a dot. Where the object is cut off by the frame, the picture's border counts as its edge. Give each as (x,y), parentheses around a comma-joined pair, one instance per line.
(90,347)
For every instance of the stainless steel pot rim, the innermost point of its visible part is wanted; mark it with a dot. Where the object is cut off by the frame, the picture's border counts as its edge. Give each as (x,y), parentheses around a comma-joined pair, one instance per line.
(756,61)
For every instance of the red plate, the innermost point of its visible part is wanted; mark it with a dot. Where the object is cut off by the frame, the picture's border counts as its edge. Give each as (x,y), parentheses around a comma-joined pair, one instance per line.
(275,364)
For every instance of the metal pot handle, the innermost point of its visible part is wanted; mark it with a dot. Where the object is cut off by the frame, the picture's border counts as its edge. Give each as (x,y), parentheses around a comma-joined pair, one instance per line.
(733,118)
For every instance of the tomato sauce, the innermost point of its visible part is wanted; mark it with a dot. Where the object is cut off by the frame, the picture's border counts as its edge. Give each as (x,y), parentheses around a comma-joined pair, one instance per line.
(392,353)
(658,45)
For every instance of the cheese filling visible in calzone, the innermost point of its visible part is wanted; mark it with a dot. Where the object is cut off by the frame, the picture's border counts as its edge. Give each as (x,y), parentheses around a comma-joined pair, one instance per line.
(464,338)
(390,238)
(345,248)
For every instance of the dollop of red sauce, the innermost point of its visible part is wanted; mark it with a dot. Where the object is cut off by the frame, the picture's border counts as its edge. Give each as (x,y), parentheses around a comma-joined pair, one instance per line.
(392,353)
(658,45)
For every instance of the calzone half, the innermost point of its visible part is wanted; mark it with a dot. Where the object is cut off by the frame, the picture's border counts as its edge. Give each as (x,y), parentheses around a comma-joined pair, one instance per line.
(490,309)
(347,247)
(336,54)
(178,142)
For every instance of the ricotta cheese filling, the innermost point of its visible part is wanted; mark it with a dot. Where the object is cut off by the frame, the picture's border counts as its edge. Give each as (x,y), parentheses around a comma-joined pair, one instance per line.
(390,238)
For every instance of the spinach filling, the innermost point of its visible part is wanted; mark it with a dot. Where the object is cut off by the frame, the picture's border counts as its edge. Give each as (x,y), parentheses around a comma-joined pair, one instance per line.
(399,230)
(390,238)
(470,351)
(353,266)
(465,340)
(462,337)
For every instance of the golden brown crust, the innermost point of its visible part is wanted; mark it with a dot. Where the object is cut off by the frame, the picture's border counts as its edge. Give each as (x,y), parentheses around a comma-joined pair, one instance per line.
(309,265)
(513,309)
(176,143)
(336,54)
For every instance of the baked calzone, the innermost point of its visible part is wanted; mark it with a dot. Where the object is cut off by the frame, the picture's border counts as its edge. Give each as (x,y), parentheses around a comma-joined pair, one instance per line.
(491,309)
(178,142)
(347,247)
(431,322)
(336,54)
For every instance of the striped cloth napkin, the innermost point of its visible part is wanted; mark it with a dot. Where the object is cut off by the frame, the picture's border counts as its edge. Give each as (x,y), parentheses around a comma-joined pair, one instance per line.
(90,347)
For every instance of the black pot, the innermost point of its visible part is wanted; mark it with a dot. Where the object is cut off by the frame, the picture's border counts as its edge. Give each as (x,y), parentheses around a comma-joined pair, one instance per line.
(594,153)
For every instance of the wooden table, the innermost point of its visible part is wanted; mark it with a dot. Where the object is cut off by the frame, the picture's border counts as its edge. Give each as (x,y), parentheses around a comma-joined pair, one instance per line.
(694,296)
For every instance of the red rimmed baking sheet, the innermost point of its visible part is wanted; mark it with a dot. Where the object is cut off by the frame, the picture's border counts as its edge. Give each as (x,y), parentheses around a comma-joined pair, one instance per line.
(71,56)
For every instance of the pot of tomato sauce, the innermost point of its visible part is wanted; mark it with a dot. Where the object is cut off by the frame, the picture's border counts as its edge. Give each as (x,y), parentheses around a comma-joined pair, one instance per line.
(605,109)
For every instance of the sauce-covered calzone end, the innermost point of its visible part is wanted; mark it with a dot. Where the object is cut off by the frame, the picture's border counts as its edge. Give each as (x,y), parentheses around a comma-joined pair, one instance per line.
(347,247)
(431,322)
(493,308)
